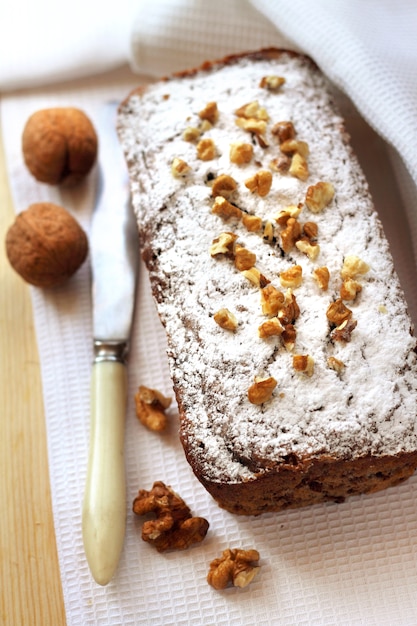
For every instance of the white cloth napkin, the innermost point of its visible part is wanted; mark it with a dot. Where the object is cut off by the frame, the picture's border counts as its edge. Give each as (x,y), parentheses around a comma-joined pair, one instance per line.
(48,41)
(347,564)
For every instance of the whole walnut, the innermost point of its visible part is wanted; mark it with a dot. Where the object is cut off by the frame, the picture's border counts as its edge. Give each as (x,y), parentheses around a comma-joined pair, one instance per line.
(59,145)
(46,245)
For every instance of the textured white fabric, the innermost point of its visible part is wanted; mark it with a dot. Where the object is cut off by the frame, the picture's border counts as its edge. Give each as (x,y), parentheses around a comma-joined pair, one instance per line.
(350,564)
(172,36)
(43,42)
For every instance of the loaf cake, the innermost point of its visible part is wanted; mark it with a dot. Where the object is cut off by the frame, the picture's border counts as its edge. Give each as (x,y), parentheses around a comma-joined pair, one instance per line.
(289,341)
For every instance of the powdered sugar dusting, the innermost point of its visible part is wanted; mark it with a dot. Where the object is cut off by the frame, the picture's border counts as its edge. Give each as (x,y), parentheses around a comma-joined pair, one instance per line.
(371,407)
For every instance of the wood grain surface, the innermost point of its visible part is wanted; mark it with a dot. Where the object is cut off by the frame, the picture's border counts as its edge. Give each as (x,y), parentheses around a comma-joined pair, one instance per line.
(30,584)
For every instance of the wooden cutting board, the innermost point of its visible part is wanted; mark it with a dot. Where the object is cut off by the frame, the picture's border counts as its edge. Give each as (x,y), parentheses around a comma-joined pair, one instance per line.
(30,583)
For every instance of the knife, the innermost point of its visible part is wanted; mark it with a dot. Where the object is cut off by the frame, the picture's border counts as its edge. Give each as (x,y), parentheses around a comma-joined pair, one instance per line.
(114,255)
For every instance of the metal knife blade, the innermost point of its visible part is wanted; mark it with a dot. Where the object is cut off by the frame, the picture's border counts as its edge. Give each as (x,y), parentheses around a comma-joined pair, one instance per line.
(114,255)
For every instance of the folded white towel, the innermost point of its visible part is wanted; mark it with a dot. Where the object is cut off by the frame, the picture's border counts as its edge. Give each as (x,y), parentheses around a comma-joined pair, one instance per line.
(46,42)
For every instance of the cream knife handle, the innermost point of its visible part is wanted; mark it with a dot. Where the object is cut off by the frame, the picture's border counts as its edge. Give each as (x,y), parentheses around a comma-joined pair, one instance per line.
(104,508)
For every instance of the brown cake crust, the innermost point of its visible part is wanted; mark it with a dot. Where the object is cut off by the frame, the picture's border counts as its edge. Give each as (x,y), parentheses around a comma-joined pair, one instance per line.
(317,480)
(299,448)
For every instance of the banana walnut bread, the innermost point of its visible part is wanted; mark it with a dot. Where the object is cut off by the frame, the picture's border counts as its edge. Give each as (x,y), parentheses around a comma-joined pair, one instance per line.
(289,341)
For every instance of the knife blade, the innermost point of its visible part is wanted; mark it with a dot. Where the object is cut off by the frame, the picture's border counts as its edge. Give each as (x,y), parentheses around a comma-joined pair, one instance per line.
(114,255)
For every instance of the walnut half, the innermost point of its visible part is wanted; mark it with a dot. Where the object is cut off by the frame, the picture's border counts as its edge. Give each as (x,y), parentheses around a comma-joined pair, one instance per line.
(235,567)
(150,408)
(174,527)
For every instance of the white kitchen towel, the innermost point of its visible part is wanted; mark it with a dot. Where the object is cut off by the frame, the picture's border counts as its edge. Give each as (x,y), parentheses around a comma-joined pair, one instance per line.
(49,41)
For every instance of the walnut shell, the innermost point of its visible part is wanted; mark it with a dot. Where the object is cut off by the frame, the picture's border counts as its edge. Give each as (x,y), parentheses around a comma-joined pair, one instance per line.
(46,245)
(59,145)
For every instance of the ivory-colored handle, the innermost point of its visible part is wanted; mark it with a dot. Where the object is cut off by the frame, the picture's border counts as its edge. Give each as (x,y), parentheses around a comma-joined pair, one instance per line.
(104,508)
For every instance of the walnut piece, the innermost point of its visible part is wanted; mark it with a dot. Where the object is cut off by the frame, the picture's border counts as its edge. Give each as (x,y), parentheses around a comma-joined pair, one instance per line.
(225,209)
(150,408)
(225,319)
(241,153)
(223,185)
(289,336)
(235,567)
(322,276)
(45,245)
(280,164)
(262,142)
(272,83)
(272,300)
(318,196)
(292,277)
(256,277)
(353,266)
(244,258)
(303,363)
(310,230)
(59,145)
(290,234)
(270,328)
(179,168)
(206,149)
(252,110)
(350,289)
(191,134)
(252,125)
(224,244)
(299,167)
(311,250)
(290,311)
(174,527)
(291,211)
(261,390)
(209,113)
(252,223)
(337,312)
(343,332)
(336,365)
(260,183)
(292,147)
(283,131)
(269,233)
(205,125)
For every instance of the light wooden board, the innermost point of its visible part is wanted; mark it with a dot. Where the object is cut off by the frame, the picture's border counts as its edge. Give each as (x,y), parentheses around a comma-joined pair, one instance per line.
(30,584)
